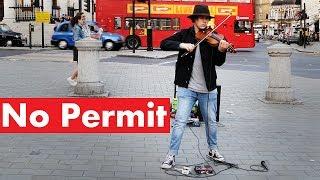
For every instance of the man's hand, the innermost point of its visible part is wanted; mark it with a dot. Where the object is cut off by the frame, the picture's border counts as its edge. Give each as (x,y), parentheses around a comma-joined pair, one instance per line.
(187,46)
(223,46)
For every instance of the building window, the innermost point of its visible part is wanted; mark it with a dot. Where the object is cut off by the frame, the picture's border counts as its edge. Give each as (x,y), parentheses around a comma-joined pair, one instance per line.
(71,11)
(24,12)
(54,3)
(19,2)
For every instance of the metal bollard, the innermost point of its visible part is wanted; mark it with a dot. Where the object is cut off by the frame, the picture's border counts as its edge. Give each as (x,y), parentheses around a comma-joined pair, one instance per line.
(89,84)
(279,89)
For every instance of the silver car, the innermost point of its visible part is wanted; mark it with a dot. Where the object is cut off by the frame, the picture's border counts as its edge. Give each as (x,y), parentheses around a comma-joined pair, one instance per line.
(294,38)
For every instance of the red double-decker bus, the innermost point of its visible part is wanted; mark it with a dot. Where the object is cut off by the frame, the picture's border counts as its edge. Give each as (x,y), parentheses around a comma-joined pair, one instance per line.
(169,16)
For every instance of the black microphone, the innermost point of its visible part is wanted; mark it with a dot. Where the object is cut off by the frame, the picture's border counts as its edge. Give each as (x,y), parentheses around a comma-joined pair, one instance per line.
(264,165)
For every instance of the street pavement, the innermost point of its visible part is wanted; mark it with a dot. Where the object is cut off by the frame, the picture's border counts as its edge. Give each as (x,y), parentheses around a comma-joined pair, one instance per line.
(314,48)
(286,136)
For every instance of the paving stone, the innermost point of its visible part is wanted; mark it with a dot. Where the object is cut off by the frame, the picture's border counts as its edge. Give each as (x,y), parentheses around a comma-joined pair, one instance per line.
(283,178)
(99,174)
(67,172)
(252,177)
(42,177)
(81,178)
(36,171)
(15,177)
(9,171)
(124,175)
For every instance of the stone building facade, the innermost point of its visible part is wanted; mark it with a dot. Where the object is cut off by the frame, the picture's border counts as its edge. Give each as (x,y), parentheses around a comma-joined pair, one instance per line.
(282,14)
(262,9)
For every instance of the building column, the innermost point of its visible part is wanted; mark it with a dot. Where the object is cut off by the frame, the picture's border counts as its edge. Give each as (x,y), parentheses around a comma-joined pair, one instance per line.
(9,13)
(47,5)
(64,6)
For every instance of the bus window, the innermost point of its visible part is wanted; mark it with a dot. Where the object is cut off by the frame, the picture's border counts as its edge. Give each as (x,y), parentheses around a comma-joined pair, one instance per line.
(216,1)
(140,23)
(242,26)
(155,24)
(117,23)
(161,24)
(165,24)
(176,23)
(240,1)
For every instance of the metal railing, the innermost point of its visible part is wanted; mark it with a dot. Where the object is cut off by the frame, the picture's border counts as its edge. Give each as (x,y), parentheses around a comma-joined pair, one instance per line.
(24,12)
(71,11)
(55,12)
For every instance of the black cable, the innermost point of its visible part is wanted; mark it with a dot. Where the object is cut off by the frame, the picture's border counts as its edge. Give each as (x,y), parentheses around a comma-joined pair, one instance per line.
(198,142)
(219,124)
(216,163)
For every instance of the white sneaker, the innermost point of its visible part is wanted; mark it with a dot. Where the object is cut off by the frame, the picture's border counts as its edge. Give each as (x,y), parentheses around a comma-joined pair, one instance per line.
(169,162)
(215,155)
(71,81)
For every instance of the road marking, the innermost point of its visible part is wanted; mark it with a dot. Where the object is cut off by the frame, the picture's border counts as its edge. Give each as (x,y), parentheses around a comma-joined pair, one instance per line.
(167,62)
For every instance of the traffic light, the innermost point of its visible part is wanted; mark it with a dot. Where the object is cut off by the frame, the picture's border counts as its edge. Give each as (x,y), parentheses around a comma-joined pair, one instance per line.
(87,5)
(36,3)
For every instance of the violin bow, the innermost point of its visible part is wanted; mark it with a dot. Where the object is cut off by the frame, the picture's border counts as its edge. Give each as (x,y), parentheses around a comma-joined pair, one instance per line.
(198,43)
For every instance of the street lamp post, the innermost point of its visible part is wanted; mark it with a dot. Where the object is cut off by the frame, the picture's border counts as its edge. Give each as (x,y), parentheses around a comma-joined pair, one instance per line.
(281,13)
(304,26)
(134,26)
(80,5)
(42,27)
(149,28)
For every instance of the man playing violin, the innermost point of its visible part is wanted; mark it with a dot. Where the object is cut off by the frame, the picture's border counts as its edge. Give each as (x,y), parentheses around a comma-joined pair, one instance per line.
(195,77)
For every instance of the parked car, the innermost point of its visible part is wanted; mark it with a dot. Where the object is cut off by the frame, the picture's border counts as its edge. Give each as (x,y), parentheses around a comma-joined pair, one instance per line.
(294,38)
(11,38)
(63,37)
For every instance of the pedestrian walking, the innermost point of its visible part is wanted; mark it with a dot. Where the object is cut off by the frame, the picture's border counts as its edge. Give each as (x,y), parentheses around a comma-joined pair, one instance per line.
(80,31)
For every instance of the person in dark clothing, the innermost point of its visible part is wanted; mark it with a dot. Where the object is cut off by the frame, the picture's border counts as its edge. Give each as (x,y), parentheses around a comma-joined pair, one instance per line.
(195,77)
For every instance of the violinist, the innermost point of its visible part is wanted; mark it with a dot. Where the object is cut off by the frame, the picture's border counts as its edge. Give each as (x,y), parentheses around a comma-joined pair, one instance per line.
(195,77)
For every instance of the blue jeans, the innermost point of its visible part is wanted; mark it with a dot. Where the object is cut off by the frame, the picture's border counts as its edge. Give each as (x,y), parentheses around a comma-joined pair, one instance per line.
(186,100)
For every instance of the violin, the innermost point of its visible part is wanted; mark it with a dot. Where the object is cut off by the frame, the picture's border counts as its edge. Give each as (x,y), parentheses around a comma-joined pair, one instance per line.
(213,38)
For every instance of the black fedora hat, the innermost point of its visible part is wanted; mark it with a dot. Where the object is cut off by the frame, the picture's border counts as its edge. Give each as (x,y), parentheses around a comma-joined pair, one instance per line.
(200,10)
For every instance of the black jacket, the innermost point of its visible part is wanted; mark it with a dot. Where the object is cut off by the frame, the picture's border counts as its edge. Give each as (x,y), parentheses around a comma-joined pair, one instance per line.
(210,57)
